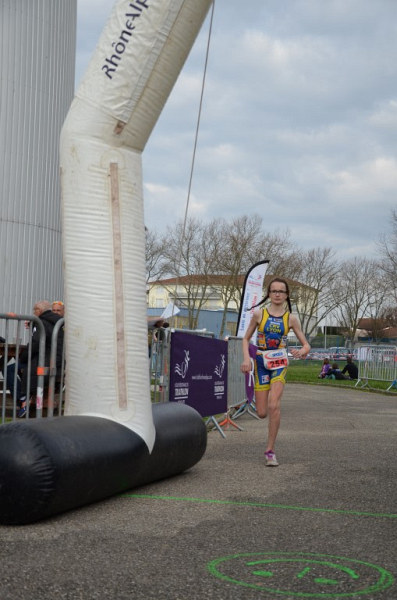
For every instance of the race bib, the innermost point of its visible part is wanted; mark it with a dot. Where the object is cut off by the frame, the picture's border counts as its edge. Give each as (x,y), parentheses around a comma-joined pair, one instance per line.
(274,359)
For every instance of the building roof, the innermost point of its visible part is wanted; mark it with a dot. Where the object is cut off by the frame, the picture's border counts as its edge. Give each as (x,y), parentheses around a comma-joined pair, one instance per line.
(369,323)
(385,331)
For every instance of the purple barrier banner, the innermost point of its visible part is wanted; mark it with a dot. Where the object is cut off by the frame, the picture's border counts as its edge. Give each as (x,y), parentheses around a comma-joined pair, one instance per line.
(198,373)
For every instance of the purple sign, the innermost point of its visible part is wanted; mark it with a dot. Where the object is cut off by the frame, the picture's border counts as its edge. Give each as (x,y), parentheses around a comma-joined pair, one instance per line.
(198,373)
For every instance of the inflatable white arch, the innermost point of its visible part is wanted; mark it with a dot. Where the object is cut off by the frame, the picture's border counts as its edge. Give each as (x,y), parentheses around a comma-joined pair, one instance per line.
(138,58)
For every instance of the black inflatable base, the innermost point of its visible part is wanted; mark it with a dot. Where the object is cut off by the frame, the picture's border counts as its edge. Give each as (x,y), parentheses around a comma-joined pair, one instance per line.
(48,466)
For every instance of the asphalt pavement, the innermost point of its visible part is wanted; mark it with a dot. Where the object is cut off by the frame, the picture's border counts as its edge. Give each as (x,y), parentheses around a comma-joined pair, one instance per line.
(321,525)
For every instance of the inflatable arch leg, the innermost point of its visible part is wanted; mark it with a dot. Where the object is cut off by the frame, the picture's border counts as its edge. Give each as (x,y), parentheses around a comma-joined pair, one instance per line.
(109,441)
(138,58)
(50,466)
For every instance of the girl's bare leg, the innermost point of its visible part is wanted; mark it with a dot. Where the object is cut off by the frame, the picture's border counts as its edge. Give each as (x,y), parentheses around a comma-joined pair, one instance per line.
(261,399)
(273,406)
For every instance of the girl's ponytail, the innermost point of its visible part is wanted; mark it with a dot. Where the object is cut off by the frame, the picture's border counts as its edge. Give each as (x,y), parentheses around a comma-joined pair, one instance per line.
(259,303)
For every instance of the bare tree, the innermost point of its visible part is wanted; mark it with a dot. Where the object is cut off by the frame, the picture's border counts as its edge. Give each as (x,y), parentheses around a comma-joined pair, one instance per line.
(389,315)
(375,329)
(246,243)
(285,260)
(360,294)
(314,297)
(241,239)
(154,255)
(191,254)
(211,260)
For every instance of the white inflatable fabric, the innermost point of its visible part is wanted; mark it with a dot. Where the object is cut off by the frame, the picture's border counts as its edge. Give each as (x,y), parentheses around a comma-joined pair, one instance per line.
(138,58)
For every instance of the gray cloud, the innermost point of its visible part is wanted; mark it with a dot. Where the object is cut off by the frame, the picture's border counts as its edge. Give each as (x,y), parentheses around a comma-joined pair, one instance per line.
(299,120)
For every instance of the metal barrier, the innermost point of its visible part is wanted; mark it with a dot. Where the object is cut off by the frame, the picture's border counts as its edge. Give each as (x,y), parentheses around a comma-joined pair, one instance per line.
(201,332)
(56,377)
(377,363)
(160,364)
(11,351)
(236,394)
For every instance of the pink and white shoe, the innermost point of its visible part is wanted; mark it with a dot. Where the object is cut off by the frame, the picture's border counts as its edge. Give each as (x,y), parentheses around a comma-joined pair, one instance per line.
(271,460)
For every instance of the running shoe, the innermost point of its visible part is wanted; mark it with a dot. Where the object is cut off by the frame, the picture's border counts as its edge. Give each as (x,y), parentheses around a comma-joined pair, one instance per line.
(21,412)
(271,460)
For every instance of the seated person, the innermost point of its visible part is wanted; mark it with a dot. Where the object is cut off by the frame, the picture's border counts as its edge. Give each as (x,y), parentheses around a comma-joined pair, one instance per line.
(350,368)
(9,374)
(325,368)
(15,393)
(335,373)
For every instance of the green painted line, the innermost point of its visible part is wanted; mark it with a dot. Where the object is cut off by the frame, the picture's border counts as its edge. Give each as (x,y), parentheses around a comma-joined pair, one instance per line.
(356,513)
(263,573)
(303,573)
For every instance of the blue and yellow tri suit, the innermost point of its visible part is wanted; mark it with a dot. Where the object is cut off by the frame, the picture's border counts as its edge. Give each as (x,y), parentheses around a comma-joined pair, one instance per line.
(271,334)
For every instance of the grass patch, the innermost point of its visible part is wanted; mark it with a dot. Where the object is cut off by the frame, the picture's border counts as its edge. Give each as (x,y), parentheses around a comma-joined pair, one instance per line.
(306,371)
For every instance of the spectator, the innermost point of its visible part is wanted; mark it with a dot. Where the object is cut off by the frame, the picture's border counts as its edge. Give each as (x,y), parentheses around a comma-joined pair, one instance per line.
(11,380)
(325,368)
(152,334)
(158,331)
(335,373)
(2,341)
(2,367)
(58,308)
(10,371)
(42,310)
(350,368)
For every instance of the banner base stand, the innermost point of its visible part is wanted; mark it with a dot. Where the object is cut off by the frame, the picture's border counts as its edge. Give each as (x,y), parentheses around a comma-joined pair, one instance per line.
(228,421)
(216,425)
(245,408)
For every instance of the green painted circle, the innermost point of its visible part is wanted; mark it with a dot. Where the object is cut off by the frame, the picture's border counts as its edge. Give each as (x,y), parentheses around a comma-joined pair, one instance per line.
(296,572)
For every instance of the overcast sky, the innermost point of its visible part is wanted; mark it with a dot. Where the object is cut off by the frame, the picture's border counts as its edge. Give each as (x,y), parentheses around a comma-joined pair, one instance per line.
(299,120)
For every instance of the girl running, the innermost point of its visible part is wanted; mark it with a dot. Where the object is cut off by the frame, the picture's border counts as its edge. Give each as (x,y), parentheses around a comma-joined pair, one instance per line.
(273,323)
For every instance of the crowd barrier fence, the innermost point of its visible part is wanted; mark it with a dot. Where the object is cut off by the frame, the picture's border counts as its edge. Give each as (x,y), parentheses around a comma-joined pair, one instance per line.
(159,366)
(377,363)
(236,394)
(14,329)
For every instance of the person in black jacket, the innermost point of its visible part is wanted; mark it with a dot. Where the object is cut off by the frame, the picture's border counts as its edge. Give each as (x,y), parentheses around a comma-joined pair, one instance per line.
(350,368)
(41,309)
